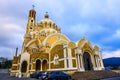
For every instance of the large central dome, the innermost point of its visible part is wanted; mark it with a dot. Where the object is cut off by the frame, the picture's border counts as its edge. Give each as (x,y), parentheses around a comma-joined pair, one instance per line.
(47,23)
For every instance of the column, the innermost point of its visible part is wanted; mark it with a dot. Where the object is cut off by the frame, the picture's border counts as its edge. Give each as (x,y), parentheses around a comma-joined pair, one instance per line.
(95,60)
(78,58)
(101,59)
(78,61)
(81,61)
(49,62)
(69,58)
(41,65)
(65,61)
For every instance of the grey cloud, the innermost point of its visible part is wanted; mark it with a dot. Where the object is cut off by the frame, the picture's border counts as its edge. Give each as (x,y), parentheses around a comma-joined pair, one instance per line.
(82,17)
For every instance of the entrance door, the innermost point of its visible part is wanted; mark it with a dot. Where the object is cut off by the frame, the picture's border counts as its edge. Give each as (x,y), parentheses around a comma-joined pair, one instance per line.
(24,67)
(87,61)
(38,65)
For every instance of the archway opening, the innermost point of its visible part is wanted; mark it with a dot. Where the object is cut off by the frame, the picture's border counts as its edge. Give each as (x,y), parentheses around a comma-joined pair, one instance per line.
(87,61)
(44,65)
(24,67)
(38,65)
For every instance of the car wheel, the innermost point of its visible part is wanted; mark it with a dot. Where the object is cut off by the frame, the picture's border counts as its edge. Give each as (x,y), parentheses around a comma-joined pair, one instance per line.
(45,79)
(39,78)
(54,79)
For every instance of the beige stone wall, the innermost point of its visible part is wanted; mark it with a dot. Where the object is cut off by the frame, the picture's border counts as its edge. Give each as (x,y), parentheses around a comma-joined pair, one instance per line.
(57,66)
(57,50)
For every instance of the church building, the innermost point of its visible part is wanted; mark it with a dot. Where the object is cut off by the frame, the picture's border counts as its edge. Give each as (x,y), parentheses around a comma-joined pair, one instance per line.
(45,48)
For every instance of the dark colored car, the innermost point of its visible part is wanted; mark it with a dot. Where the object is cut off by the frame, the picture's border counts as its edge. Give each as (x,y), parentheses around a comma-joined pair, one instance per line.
(37,75)
(57,75)
(34,75)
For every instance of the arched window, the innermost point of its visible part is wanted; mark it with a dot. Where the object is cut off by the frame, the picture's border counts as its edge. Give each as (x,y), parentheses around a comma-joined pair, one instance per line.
(38,65)
(44,64)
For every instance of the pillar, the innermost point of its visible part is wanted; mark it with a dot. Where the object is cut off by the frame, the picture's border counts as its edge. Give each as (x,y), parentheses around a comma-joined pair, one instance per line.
(70,65)
(65,60)
(78,58)
(41,65)
(102,66)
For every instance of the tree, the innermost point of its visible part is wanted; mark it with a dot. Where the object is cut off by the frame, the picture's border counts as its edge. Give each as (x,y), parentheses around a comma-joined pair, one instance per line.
(5,65)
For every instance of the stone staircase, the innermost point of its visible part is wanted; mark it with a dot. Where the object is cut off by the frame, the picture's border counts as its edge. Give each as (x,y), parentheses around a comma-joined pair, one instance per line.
(94,75)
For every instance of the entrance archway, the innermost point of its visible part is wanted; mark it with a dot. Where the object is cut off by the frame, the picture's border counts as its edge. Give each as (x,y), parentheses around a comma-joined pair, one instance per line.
(87,61)
(24,67)
(38,65)
(44,65)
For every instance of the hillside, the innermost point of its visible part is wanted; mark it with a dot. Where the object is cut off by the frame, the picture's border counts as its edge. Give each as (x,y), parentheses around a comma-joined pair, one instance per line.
(113,62)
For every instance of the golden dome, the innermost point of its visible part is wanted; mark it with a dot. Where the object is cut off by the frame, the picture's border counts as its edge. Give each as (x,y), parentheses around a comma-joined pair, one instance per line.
(48,23)
(46,19)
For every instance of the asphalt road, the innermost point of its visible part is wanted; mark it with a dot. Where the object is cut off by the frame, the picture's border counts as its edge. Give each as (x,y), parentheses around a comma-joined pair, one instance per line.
(5,76)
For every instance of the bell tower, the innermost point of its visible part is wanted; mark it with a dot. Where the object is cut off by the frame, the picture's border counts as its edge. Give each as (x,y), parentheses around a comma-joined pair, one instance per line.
(31,20)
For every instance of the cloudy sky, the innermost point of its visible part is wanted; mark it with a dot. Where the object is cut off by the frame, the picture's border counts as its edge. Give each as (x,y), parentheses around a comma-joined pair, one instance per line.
(98,20)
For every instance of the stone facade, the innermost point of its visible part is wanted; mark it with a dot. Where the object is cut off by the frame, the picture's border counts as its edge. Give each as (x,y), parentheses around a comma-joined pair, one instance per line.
(45,48)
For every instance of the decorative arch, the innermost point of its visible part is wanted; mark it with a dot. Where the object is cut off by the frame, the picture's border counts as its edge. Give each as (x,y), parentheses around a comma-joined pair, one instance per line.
(57,34)
(87,48)
(96,48)
(58,43)
(30,42)
(72,45)
(87,61)
(81,42)
(45,59)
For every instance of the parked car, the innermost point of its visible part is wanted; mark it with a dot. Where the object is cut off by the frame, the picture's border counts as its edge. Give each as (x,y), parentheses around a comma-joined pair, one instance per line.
(34,75)
(44,75)
(37,75)
(57,75)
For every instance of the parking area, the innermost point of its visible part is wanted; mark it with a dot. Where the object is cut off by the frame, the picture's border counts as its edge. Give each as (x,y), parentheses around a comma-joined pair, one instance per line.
(5,76)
